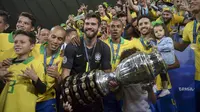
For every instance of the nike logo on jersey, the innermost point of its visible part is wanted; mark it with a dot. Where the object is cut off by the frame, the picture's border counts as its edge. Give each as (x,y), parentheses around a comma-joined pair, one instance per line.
(78,55)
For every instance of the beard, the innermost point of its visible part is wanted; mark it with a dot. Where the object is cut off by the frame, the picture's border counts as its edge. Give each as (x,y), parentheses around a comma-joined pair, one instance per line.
(148,30)
(91,35)
(166,21)
(20,28)
(145,33)
(195,8)
(195,11)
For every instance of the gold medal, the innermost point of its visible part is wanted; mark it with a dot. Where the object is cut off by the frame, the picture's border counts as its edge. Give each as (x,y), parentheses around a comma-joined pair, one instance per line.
(193,46)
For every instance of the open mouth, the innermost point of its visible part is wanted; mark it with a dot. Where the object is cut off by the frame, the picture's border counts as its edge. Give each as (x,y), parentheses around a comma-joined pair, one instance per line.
(54,46)
(17,49)
(144,29)
(20,28)
(114,33)
(89,32)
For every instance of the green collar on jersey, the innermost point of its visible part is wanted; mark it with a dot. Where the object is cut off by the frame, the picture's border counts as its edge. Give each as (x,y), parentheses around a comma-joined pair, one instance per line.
(121,42)
(42,47)
(10,38)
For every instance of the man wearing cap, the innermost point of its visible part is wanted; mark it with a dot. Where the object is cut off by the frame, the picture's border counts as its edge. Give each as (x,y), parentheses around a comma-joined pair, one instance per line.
(171,20)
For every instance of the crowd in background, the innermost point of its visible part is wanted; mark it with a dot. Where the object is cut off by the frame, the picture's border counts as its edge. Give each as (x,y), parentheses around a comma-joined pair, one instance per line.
(102,38)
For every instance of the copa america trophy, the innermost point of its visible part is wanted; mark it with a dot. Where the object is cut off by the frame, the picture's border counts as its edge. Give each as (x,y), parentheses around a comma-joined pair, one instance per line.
(137,68)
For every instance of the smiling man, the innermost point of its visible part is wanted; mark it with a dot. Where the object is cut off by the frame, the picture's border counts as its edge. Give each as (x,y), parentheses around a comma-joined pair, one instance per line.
(172,20)
(144,26)
(91,54)
(50,55)
(26,22)
(117,44)
(43,35)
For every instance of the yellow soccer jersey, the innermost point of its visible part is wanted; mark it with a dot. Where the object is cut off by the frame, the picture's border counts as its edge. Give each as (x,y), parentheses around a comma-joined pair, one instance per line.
(153,14)
(6,42)
(21,95)
(188,37)
(124,45)
(50,82)
(10,53)
(133,14)
(173,23)
(136,43)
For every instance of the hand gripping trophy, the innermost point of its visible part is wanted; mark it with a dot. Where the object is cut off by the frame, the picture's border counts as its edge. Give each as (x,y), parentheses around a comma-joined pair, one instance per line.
(137,68)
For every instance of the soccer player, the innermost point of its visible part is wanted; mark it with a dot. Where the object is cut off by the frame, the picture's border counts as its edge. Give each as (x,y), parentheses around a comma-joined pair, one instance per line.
(144,27)
(191,36)
(117,45)
(3,26)
(28,76)
(172,20)
(3,21)
(43,35)
(50,55)
(26,22)
(91,54)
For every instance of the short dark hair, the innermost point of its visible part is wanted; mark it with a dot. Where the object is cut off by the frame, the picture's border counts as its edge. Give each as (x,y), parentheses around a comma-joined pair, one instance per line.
(127,53)
(5,16)
(31,35)
(30,16)
(69,30)
(93,15)
(143,16)
(117,19)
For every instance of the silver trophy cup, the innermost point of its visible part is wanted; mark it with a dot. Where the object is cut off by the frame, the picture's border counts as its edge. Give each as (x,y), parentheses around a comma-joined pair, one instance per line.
(137,68)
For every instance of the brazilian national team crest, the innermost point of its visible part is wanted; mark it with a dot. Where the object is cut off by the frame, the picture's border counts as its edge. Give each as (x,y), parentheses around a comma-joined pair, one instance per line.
(97,57)
(64,60)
